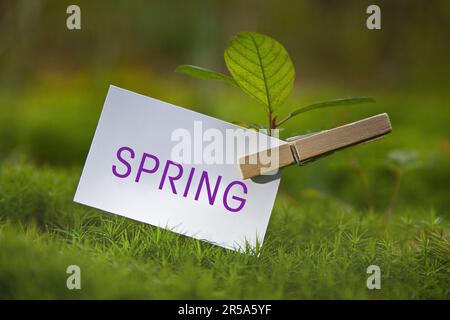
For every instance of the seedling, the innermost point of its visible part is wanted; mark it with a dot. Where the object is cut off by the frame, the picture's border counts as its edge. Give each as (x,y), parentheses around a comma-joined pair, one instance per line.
(261,67)
(399,162)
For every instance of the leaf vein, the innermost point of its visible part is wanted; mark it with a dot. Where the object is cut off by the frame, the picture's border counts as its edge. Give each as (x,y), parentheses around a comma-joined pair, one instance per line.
(243,67)
(264,76)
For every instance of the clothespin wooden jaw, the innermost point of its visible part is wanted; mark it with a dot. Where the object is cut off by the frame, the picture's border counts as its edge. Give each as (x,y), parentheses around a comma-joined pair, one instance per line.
(310,147)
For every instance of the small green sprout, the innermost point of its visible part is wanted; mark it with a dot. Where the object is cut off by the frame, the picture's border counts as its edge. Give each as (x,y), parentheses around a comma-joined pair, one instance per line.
(262,68)
(400,161)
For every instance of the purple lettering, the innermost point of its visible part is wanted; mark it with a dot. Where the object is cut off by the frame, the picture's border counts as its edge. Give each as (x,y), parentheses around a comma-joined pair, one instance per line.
(125,168)
(211,197)
(141,165)
(188,183)
(122,160)
(171,179)
(241,200)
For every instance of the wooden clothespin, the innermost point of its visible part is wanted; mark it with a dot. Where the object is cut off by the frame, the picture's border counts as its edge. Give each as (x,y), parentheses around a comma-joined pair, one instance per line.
(308,148)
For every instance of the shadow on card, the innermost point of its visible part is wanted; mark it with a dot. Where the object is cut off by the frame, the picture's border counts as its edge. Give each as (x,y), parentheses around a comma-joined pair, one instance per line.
(268,177)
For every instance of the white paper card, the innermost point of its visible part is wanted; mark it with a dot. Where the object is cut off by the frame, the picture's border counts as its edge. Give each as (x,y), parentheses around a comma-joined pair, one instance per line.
(128,171)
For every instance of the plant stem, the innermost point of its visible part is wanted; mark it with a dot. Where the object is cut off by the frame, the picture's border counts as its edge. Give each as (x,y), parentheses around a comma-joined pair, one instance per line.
(363,179)
(284,120)
(270,123)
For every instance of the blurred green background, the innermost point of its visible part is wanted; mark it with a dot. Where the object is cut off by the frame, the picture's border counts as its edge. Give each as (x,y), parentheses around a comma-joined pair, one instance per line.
(53,82)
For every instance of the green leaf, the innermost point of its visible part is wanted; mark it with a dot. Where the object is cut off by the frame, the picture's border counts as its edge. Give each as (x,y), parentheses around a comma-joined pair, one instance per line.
(204,74)
(249,125)
(404,159)
(261,66)
(326,104)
